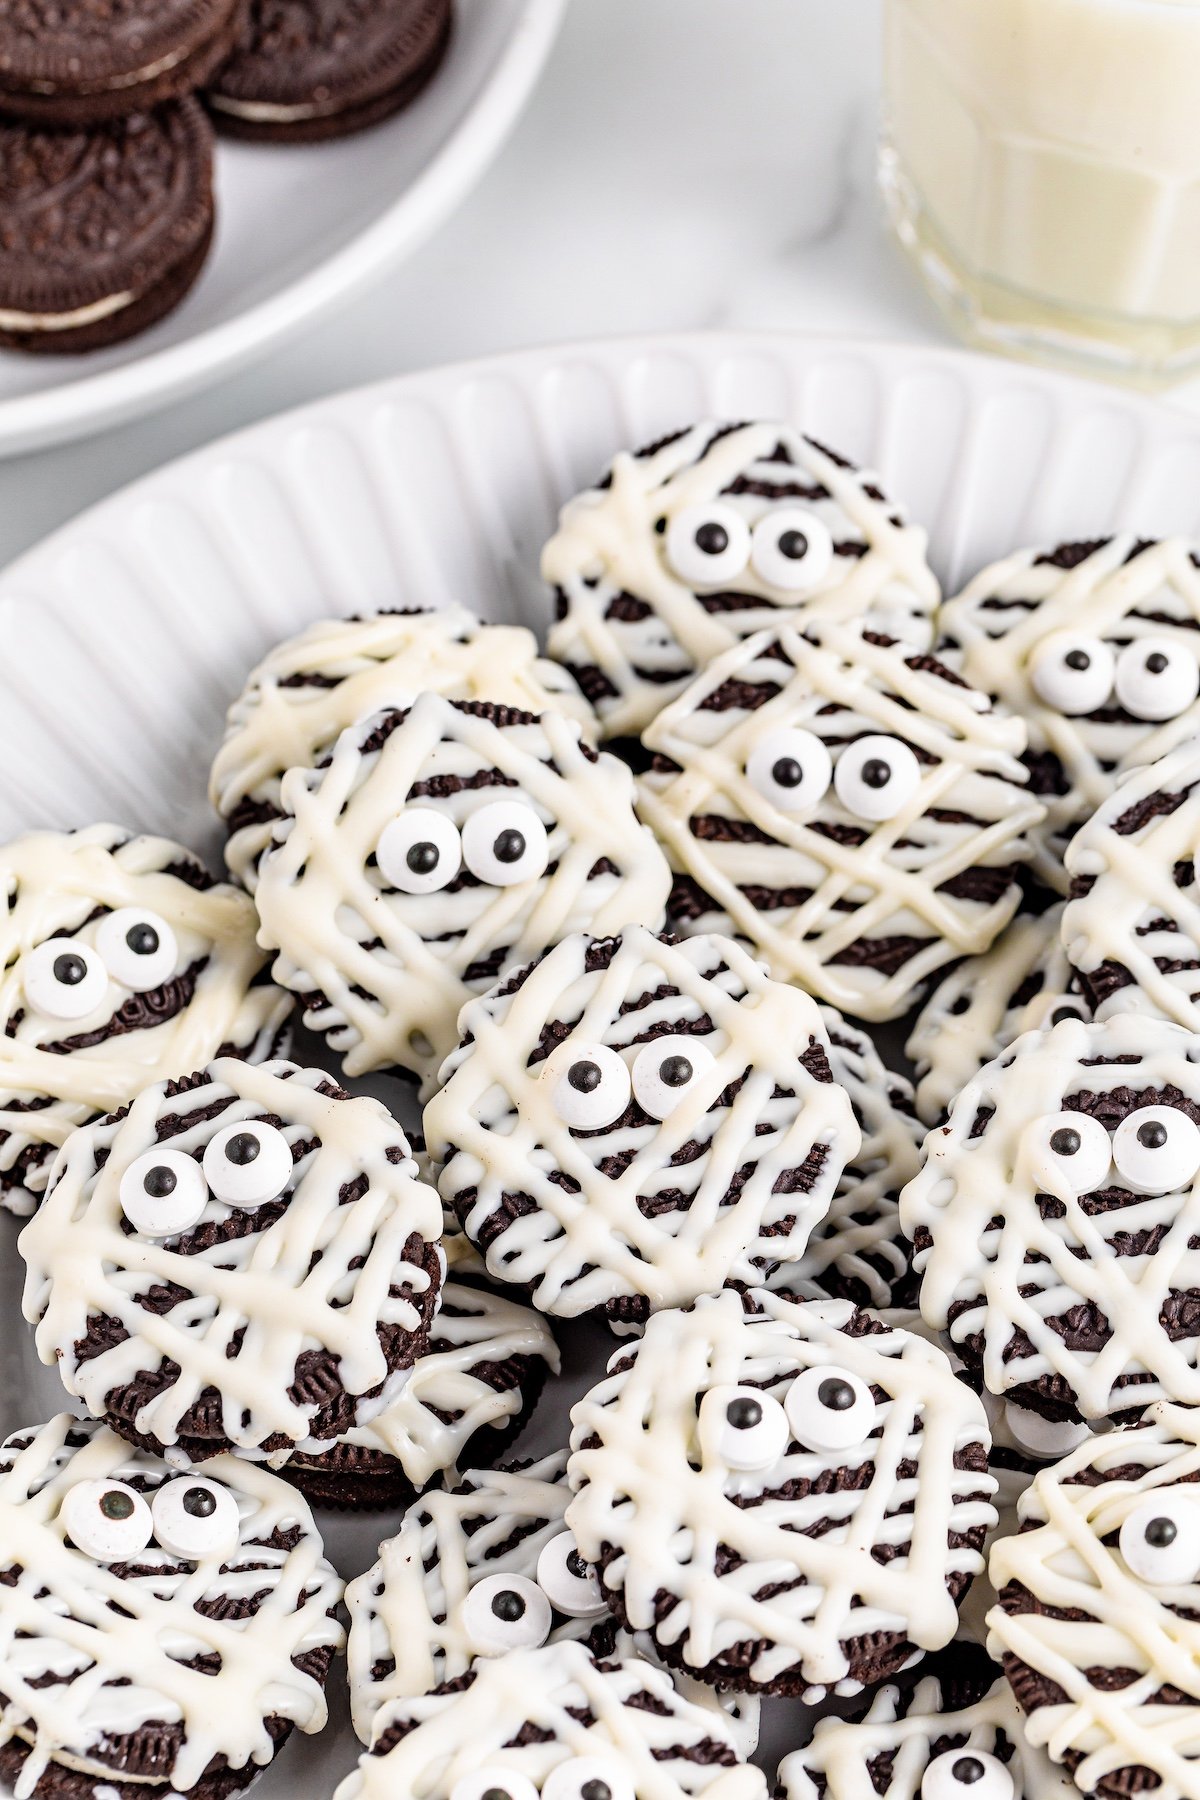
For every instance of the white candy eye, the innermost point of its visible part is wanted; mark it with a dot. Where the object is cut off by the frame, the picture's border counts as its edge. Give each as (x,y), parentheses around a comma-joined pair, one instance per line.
(1157,678)
(107,1520)
(791,769)
(966,1774)
(64,979)
(248,1163)
(791,549)
(420,851)
(588,1778)
(494,1783)
(1157,1149)
(1069,1150)
(876,777)
(569,1584)
(666,1071)
(505,843)
(829,1409)
(708,544)
(163,1192)
(195,1519)
(1072,673)
(137,948)
(589,1085)
(506,1612)
(747,1428)
(1160,1540)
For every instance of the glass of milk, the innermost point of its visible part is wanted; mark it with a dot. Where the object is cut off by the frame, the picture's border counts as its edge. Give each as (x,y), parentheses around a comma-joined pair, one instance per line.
(1041,164)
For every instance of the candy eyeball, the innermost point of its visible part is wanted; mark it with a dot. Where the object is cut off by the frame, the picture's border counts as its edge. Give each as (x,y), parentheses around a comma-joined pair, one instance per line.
(64,979)
(420,851)
(570,1585)
(791,549)
(746,1428)
(248,1163)
(829,1409)
(137,947)
(505,843)
(1160,1540)
(108,1520)
(876,777)
(707,545)
(791,768)
(195,1519)
(588,1778)
(1073,673)
(1157,1149)
(667,1070)
(967,1774)
(163,1192)
(506,1612)
(1068,1151)
(494,1783)
(1157,678)
(589,1085)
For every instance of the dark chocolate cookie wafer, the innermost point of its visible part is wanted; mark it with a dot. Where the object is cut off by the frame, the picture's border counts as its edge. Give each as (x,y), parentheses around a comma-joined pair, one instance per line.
(95,60)
(311,69)
(103,231)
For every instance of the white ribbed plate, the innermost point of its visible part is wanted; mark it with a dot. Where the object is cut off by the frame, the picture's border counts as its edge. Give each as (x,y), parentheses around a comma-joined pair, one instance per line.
(126,634)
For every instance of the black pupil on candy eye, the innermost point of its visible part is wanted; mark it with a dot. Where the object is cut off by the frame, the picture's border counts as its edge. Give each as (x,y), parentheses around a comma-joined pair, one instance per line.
(743,1415)
(1065,1142)
(838,1396)
(585,1076)
(1153,1135)
(142,940)
(876,773)
(1062,1012)
(423,858)
(199,1503)
(1077,659)
(595,1790)
(509,847)
(159,1182)
(496,1794)
(968,1769)
(1156,662)
(242,1149)
(576,1566)
(676,1071)
(509,1607)
(1160,1533)
(793,545)
(69,969)
(787,772)
(712,539)
(116,1506)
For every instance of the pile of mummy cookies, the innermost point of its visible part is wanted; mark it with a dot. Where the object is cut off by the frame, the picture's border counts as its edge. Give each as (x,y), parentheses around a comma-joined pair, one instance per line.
(899,1425)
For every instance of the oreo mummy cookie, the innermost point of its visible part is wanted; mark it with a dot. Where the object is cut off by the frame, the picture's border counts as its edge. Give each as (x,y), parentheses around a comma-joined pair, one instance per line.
(442,1590)
(236,1260)
(1057,1220)
(1023,983)
(554,1724)
(1097,646)
(468,1394)
(1132,925)
(787,1501)
(299,699)
(158,1632)
(1098,1621)
(953,1734)
(437,849)
(703,539)
(121,960)
(853,811)
(630,1122)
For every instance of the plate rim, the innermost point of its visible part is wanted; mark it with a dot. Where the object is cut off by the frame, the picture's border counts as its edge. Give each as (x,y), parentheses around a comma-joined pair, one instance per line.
(111,397)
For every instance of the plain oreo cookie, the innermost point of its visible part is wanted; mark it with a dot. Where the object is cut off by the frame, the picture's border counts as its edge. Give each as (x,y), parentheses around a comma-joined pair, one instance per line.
(305,70)
(103,231)
(97,60)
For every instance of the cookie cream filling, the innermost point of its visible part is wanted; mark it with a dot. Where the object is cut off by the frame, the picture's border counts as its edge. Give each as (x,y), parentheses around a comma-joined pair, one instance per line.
(13,320)
(267,112)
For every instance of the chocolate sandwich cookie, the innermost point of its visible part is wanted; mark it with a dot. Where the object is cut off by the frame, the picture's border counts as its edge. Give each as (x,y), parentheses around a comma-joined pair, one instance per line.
(96,60)
(103,230)
(121,960)
(788,1500)
(1098,1621)
(630,1122)
(306,70)
(160,1632)
(1057,1220)
(237,1260)
(554,1724)
(855,812)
